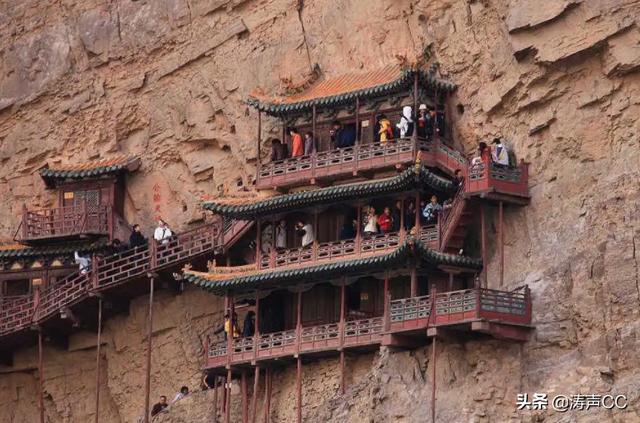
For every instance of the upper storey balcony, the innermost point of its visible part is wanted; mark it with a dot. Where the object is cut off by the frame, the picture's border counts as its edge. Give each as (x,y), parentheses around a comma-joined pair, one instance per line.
(362,104)
(90,202)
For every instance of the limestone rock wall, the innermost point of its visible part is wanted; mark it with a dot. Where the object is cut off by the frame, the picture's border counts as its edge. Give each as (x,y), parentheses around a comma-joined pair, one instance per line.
(166,80)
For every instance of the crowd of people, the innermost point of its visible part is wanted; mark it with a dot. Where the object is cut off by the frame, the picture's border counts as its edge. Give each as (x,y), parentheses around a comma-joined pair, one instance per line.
(163,406)
(427,123)
(497,153)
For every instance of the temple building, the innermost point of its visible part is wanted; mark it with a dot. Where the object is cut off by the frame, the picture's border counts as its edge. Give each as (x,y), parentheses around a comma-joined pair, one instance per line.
(312,279)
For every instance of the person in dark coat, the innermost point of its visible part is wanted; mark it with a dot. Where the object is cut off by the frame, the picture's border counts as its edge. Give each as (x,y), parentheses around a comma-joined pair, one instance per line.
(136,239)
(409,216)
(278,150)
(342,137)
(249,326)
(396,214)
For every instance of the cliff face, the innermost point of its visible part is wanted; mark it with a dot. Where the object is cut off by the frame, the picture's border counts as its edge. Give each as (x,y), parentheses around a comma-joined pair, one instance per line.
(166,80)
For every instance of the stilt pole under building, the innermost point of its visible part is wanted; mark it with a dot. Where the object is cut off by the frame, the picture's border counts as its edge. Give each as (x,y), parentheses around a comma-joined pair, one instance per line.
(147,383)
(299,389)
(433,391)
(245,402)
(254,401)
(99,344)
(40,376)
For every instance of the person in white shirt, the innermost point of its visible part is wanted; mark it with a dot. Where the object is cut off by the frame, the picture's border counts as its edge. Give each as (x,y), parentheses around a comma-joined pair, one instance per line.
(306,229)
(406,122)
(84,263)
(266,241)
(162,232)
(281,235)
(499,153)
(370,222)
(184,391)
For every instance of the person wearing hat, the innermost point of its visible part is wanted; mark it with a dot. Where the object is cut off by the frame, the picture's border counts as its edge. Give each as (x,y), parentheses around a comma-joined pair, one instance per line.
(422,121)
(499,153)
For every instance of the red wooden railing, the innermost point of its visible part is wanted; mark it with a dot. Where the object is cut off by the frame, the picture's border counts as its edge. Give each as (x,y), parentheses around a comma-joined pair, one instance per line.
(405,315)
(485,176)
(66,221)
(450,219)
(17,313)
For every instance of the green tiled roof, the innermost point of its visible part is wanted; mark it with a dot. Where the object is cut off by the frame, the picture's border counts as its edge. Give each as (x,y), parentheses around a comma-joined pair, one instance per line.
(277,278)
(52,250)
(403,82)
(88,170)
(409,179)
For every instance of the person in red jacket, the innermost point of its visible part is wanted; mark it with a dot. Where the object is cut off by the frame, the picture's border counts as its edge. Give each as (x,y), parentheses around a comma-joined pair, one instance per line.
(385,221)
(297,146)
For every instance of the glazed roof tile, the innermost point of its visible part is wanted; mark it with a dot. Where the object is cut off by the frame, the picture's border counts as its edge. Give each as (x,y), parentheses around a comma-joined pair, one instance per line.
(248,279)
(346,88)
(90,169)
(415,177)
(23,251)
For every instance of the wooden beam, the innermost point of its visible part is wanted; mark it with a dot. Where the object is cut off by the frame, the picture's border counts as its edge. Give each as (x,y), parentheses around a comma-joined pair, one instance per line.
(502,331)
(483,244)
(299,390)
(501,242)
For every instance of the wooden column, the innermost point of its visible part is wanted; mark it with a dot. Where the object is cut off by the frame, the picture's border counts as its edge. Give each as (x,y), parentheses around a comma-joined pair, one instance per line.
(284,135)
(147,384)
(256,332)
(215,399)
(227,411)
(224,378)
(267,395)
(402,230)
(483,244)
(299,390)
(358,228)
(435,123)
(418,211)
(343,315)
(414,136)
(245,402)
(299,321)
(450,281)
(414,281)
(501,241)
(314,121)
(387,302)
(98,346)
(40,377)
(258,242)
(315,234)
(254,400)
(357,120)
(433,391)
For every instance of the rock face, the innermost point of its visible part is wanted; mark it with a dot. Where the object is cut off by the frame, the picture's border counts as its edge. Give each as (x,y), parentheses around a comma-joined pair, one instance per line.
(167,79)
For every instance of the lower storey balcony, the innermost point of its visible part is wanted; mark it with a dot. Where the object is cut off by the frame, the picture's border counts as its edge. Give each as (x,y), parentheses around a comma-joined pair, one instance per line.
(404,322)
(65,222)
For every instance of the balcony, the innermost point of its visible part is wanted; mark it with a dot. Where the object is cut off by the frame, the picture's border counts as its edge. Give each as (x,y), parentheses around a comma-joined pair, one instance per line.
(346,249)
(502,314)
(66,222)
(488,180)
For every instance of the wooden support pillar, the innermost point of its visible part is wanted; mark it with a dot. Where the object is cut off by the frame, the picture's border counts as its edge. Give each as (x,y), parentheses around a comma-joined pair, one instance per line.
(315,234)
(414,135)
(357,120)
(224,394)
(435,124)
(284,135)
(245,401)
(40,377)
(501,241)
(256,332)
(414,281)
(450,281)
(314,121)
(402,230)
(299,390)
(358,228)
(433,390)
(254,399)
(483,244)
(387,303)
(258,242)
(418,211)
(147,383)
(98,346)
(299,321)
(267,395)
(343,315)
(215,399)
(227,411)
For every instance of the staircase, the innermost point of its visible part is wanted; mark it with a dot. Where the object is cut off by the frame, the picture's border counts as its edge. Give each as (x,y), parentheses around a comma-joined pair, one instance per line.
(456,221)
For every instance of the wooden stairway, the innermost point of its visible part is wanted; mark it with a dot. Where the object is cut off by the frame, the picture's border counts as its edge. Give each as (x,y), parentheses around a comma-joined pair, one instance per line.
(456,221)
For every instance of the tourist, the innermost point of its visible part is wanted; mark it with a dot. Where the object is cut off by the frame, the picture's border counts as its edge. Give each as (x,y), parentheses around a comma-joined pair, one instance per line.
(117,246)
(160,406)
(431,210)
(162,232)
(396,216)
(349,229)
(249,326)
(278,150)
(83,262)
(422,121)
(136,239)
(385,221)
(483,154)
(228,324)
(458,179)
(370,222)
(184,391)
(342,137)
(297,146)
(281,235)
(410,216)
(499,153)
(306,230)
(385,132)
(435,122)
(266,239)
(309,144)
(406,122)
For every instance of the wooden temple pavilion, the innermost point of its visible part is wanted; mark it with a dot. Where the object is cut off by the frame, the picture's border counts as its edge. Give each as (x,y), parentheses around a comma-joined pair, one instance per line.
(348,291)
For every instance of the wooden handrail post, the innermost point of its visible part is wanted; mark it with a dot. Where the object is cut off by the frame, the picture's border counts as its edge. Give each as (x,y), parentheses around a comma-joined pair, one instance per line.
(94,272)
(36,304)
(478,302)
